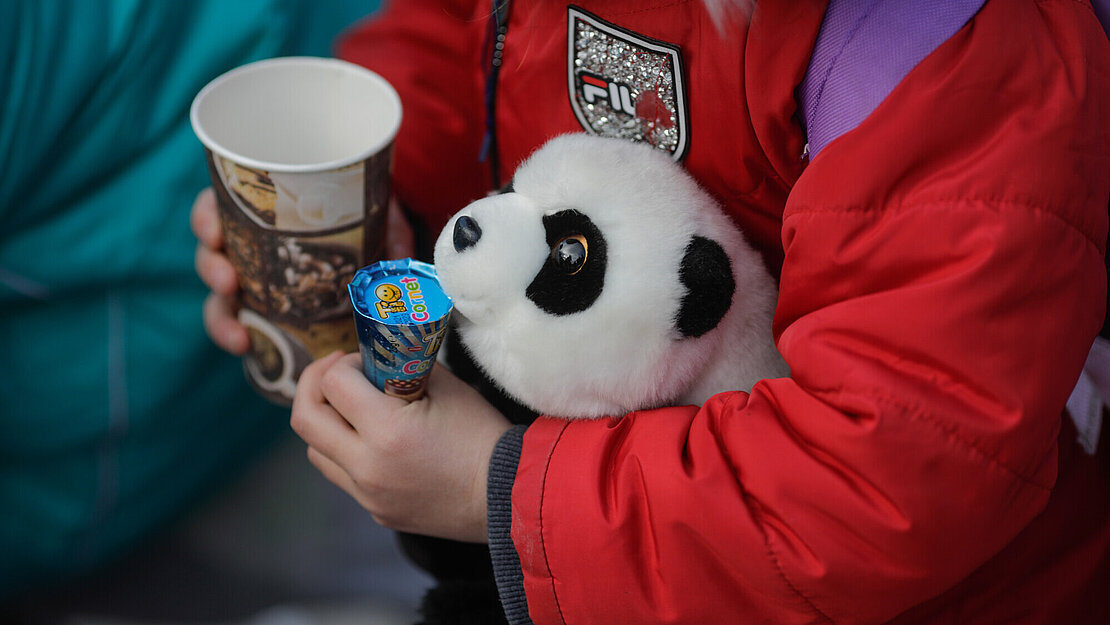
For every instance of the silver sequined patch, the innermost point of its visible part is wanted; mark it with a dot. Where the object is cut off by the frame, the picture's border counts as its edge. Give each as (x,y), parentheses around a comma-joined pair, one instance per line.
(625,85)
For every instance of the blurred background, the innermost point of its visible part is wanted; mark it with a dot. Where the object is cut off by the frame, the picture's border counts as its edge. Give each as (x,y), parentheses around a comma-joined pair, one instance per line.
(141,479)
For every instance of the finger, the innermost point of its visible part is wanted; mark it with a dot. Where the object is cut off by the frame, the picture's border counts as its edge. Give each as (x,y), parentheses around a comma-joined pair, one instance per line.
(205,220)
(316,421)
(443,380)
(308,385)
(222,326)
(400,240)
(345,386)
(215,271)
(336,475)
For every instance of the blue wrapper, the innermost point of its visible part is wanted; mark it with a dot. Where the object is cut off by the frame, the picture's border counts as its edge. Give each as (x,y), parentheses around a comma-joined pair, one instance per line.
(401,315)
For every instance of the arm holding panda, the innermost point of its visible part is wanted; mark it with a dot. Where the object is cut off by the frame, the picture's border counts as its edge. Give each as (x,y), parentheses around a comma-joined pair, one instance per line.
(922,312)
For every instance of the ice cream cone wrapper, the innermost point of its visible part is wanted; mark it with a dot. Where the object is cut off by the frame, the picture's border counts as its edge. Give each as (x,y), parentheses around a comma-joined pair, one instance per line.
(401,315)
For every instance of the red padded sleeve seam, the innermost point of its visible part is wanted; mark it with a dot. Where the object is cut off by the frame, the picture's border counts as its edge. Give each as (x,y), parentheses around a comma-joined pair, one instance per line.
(954,203)
(736,403)
(757,511)
(540,522)
(919,415)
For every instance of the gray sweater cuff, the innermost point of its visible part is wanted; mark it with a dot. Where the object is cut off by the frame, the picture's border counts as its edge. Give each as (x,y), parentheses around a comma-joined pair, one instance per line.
(499,490)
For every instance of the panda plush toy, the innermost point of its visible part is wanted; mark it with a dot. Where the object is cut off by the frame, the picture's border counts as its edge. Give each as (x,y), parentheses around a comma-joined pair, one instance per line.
(602,280)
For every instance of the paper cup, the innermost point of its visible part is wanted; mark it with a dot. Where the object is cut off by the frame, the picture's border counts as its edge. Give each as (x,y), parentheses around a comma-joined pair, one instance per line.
(401,313)
(299,150)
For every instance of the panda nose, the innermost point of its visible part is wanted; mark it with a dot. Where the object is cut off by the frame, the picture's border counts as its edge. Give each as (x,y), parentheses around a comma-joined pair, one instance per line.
(467,233)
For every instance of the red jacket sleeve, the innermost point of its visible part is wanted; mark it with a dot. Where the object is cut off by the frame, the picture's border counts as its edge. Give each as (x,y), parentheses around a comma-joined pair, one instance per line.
(942,282)
(426,50)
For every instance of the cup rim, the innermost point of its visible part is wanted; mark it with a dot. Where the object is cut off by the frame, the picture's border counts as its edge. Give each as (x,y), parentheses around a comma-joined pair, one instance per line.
(275,167)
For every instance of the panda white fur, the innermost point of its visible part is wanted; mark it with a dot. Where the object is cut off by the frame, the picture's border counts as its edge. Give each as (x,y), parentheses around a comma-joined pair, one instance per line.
(604,280)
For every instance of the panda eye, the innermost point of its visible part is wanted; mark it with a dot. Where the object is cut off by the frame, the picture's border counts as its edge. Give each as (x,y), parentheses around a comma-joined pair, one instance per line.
(570,253)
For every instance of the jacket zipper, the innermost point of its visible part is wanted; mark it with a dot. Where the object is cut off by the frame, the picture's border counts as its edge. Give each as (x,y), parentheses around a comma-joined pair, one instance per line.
(499,25)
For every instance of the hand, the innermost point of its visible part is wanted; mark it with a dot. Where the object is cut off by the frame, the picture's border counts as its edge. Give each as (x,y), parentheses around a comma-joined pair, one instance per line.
(417,467)
(215,270)
(221,307)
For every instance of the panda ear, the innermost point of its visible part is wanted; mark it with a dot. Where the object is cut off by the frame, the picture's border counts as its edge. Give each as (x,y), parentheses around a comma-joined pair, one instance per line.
(706,273)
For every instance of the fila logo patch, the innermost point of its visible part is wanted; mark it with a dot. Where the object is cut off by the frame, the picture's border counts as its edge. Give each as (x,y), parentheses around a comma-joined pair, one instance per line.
(625,85)
(620,96)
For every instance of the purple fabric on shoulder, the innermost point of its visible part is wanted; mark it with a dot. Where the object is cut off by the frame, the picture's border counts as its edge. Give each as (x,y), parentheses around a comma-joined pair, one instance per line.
(863,50)
(1102,10)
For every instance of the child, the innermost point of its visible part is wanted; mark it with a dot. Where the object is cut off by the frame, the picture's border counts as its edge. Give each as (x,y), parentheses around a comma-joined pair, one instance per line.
(941,280)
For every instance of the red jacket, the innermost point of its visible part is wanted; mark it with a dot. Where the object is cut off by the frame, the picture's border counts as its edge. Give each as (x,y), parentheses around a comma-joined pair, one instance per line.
(941,280)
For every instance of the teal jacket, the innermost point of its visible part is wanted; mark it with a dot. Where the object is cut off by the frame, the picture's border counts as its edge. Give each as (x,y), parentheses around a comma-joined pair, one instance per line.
(116,411)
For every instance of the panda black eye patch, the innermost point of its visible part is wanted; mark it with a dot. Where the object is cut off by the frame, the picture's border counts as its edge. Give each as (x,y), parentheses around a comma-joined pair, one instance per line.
(573,275)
